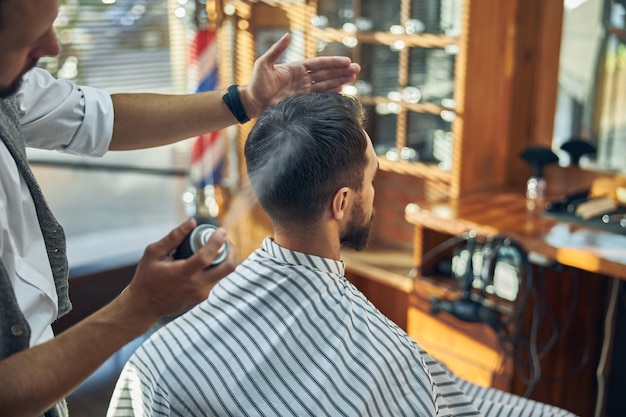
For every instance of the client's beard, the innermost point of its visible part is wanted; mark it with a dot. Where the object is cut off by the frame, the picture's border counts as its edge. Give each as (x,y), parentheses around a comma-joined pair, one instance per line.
(357,231)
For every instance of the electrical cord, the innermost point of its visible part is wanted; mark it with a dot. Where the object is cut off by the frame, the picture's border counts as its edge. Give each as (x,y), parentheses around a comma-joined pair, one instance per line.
(608,324)
(535,361)
(516,321)
(587,350)
(545,310)
(520,362)
(514,345)
(416,272)
(474,304)
(557,333)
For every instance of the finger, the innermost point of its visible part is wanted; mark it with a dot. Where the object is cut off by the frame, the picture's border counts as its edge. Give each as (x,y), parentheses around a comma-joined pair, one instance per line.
(327,62)
(330,77)
(334,72)
(333,84)
(220,270)
(276,50)
(172,240)
(204,257)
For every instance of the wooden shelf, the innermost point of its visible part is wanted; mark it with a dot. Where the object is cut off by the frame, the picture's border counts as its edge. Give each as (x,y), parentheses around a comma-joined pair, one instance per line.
(425,40)
(416,169)
(386,266)
(425,107)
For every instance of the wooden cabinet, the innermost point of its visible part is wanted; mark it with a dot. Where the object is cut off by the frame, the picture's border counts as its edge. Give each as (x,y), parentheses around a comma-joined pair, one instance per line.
(568,325)
(454,89)
(443,81)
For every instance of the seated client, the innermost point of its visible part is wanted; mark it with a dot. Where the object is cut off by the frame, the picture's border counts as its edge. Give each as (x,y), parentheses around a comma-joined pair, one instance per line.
(286,334)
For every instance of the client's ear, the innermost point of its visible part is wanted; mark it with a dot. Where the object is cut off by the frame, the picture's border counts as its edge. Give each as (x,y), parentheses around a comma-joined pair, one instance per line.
(340,203)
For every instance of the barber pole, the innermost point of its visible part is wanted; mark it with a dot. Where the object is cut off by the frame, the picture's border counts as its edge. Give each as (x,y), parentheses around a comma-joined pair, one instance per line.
(208,151)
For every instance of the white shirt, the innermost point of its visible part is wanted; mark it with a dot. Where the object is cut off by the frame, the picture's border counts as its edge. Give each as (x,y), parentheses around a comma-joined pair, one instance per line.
(55,114)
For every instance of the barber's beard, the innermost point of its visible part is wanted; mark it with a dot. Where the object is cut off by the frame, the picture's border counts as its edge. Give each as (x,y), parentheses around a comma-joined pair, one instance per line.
(11,89)
(17,83)
(357,231)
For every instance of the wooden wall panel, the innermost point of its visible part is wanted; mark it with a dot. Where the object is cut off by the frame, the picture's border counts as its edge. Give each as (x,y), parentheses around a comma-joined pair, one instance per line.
(533,103)
(484,71)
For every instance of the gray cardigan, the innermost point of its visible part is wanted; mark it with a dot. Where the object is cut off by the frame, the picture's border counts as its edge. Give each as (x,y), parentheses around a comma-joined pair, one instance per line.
(14,329)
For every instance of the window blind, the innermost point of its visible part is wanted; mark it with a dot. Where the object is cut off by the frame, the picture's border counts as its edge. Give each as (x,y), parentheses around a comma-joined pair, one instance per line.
(123,46)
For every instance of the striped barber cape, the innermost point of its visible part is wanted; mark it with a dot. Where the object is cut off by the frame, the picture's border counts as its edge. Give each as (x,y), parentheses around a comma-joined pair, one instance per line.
(287,335)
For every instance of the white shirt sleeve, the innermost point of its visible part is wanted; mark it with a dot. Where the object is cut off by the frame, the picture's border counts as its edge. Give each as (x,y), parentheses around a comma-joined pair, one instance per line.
(58,114)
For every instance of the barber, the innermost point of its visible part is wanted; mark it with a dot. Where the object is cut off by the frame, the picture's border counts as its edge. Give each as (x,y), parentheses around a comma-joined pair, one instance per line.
(37,369)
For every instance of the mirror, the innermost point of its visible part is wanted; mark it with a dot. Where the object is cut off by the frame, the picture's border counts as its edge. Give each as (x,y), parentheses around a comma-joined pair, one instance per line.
(591,103)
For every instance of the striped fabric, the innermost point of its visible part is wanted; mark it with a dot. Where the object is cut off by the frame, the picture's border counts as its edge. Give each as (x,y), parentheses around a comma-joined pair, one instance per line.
(287,335)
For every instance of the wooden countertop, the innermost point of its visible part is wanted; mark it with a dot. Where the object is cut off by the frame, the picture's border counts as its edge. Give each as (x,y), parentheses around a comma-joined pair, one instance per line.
(503,213)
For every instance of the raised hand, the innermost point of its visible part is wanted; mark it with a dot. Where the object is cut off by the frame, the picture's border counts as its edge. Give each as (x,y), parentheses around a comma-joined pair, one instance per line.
(271,82)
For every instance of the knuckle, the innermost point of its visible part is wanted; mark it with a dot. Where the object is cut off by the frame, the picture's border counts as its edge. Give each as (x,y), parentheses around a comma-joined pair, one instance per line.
(150,249)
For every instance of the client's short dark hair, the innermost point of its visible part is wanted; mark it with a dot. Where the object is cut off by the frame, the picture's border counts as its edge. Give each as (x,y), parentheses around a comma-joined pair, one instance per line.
(304,149)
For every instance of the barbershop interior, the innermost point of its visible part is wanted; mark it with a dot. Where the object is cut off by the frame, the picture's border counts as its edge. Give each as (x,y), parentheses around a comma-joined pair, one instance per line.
(499,236)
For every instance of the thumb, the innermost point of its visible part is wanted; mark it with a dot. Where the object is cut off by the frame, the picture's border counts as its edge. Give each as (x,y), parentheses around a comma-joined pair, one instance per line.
(173,239)
(270,57)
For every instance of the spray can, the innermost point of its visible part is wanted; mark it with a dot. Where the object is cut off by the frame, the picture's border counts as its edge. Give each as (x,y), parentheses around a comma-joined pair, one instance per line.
(195,240)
